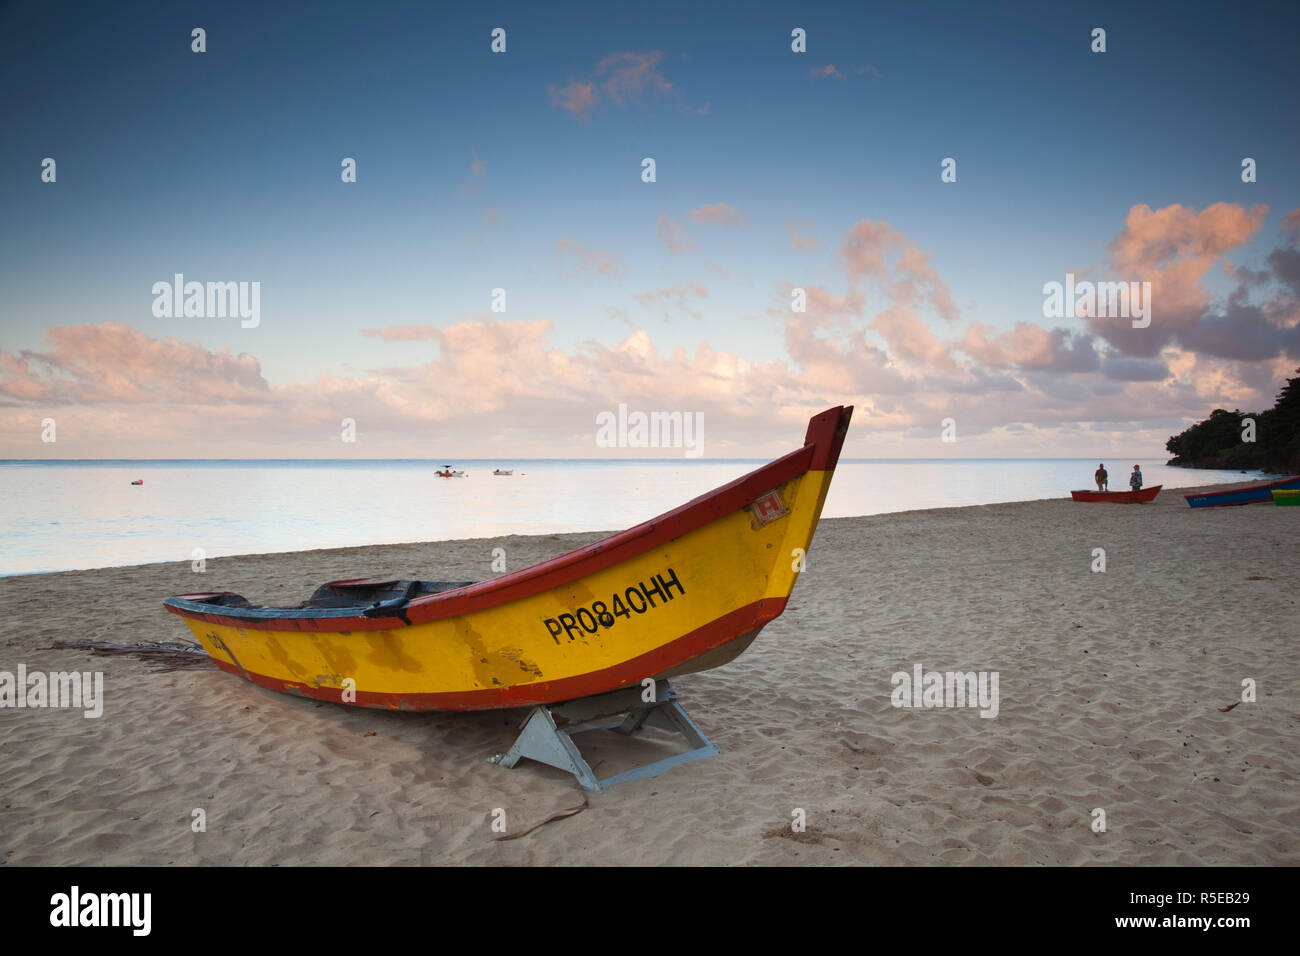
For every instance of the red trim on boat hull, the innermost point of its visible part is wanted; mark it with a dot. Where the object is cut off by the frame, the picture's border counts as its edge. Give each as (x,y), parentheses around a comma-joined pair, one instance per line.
(741,624)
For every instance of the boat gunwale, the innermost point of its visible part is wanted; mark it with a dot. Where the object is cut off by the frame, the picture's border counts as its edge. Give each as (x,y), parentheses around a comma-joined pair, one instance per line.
(820,452)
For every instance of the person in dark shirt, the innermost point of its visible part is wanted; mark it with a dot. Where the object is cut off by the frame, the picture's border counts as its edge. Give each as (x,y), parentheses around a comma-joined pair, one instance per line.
(1101,477)
(1135,479)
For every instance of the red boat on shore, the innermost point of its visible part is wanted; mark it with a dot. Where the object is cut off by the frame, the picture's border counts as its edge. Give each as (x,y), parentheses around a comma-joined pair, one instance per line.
(1119,497)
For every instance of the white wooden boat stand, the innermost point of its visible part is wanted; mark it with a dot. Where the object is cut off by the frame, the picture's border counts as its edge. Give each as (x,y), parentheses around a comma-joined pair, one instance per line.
(547,733)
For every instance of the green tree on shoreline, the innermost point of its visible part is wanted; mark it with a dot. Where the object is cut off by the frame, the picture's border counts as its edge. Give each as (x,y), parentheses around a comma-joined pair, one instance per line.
(1217,441)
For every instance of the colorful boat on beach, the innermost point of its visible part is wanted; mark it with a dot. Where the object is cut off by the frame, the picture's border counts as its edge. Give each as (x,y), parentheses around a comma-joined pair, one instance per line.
(1119,497)
(1244,495)
(683,592)
(1288,497)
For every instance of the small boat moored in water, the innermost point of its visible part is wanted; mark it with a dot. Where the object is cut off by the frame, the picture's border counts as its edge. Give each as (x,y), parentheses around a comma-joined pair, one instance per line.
(500,471)
(1119,497)
(1244,495)
(683,592)
(138,481)
(448,473)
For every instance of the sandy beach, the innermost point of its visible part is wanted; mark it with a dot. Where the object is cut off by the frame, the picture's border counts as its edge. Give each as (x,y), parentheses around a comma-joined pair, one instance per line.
(1112,689)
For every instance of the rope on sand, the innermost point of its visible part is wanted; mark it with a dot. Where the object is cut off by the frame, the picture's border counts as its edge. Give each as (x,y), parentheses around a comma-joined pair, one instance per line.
(557,815)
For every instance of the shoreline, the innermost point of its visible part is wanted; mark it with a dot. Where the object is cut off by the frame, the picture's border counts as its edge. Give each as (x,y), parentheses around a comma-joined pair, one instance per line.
(594,535)
(1112,694)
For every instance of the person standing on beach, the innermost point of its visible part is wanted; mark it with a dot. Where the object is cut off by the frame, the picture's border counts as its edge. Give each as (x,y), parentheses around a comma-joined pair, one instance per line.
(1135,479)
(1101,477)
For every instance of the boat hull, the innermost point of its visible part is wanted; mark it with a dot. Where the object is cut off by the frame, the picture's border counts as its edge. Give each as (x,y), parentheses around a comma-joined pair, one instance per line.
(1244,495)
(685,592)
(1118,497)
(1287,497)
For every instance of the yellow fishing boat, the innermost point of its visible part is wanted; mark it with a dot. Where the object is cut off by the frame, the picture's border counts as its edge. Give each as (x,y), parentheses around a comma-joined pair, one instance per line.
(683,592)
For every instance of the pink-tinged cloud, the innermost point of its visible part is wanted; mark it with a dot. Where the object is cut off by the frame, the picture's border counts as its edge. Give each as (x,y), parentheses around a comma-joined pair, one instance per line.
(821,72)
(717,214)
(1174,249)
(92,364)
(671,233)
(920,282)
(802,242)
(1291,223)
(622,78)
(865,247)
(403,333)
(822,302)
(495,385)
(910,339)
(487,344)
(1029,347)
(825,309)
(21,382)
(843,361)
(577,98)
(598,261)
(878,253)
(675,300)
(1156,239)
(627,75)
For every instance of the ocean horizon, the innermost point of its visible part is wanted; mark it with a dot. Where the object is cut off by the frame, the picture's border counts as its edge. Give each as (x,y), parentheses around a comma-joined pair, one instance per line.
(77,514)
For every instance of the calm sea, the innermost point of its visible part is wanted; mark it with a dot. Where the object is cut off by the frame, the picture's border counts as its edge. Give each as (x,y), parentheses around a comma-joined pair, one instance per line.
(58,516)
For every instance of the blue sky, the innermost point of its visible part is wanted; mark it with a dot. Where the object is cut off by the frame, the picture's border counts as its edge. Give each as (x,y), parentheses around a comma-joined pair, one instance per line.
(225,165)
